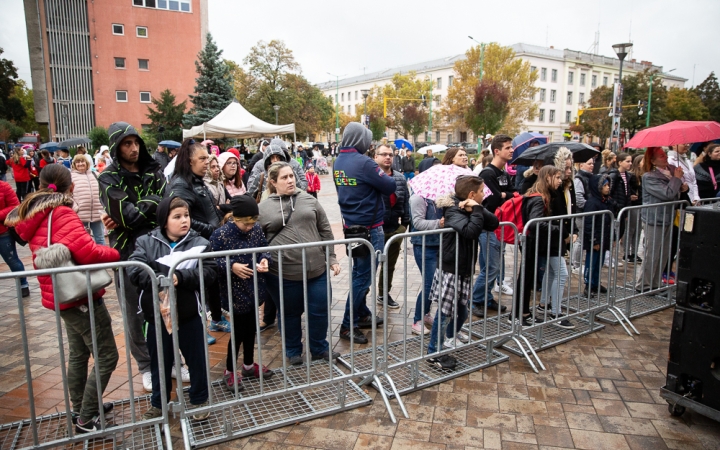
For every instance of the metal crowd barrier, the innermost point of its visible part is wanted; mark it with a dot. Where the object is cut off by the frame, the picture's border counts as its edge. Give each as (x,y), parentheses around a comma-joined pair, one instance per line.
(639,287)
(294,393)
(124,426)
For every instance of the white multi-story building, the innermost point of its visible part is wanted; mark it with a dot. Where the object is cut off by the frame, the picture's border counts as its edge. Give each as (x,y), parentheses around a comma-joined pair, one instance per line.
(565,80)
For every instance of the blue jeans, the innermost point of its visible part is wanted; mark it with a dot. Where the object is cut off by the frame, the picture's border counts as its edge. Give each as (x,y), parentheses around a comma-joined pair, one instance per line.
(553,281)
(191,336)
(294,307)
(446,324)
(361,278)
(409,175)
(98,231)
(10,256)
(594,258)
(422,306)
(490,250)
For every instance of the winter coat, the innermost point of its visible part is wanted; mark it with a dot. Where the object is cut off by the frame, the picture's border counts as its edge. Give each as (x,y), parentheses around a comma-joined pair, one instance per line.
(704,174)
(153,246)
(162,158)
(657,188)
(67,229)
(529,178)
(205,216)
(276,147)
(87,196)
(408,164)
(130,198)
(425,216)
(313,182)
(537,236)
(599,232)
(618,190)
(397,163)
(296,219)
(397,208)
(3,163)
(230,237)
(427,163)
(8,202)
(582,188)
(468,225)
(21,169)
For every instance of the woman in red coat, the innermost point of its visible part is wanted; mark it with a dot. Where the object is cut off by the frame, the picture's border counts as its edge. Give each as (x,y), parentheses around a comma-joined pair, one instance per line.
(8,251)
(21,164)
(30,220)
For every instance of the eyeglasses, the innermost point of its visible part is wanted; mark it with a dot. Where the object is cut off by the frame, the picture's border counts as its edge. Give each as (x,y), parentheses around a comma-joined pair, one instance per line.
(231,164)
(385,155)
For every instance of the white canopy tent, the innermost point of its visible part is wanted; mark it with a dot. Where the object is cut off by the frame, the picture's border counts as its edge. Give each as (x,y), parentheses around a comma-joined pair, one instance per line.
(236,122)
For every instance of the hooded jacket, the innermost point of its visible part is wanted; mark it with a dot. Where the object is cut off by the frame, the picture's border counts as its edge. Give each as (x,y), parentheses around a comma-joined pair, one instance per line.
(8,202)
(205,216)
(582,188)
(599,232)
(468,225)
(162,158)
(359,181)
(87,195)
(130,198)
(307,223)
(276,147)
(67,229)
(153,246)
(620,191)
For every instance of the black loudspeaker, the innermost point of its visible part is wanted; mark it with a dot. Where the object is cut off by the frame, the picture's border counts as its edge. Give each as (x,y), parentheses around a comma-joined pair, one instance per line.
(698,274)
(694,357)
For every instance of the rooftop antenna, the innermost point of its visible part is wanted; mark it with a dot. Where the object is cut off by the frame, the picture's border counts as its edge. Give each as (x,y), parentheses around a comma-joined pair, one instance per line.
(630,40)
(594,48)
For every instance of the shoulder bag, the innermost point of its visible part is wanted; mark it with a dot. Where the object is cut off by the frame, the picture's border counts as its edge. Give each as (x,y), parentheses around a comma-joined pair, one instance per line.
(71,286)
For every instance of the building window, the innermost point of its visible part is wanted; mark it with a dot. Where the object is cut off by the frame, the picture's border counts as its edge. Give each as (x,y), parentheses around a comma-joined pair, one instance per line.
(144,64)
(543,74)
(438,98)
(541,116)
(121,96)
(582,79)
(581,98)
(615,80)
(355,95)
(542,95)
(437,136)
(450,80)
(553,76)
(553,94)
(533,68)
(171,5)
(567,117)
(593,82)
(119,63)
(342,97)
(571,78)
(439,84)
(569,98)
(349,96)
(144,97)
(552,116)
(118,29)
(550,136)
(605,80)
(141,32)
(449,138)
(396,136)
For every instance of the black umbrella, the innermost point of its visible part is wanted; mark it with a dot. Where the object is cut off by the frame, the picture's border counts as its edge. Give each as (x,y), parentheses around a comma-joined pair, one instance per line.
(75,142)
(580,152)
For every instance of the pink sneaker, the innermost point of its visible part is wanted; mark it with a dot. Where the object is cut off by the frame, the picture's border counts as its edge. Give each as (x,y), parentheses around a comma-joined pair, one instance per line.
(229,378)
(255,372)
(417,329)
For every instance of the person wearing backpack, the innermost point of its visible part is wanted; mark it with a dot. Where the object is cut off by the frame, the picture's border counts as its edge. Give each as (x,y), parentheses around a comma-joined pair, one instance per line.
(536,204)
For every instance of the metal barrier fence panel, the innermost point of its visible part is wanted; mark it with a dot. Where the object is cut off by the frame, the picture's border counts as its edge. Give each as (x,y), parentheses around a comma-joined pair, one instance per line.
(646,253)
(292,393)
(124,426)
(403,361)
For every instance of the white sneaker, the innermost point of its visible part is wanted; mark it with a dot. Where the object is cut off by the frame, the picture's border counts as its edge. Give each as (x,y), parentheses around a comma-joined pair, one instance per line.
(506,289)
(462,337)
(449,343)
(183,371)
(147,381)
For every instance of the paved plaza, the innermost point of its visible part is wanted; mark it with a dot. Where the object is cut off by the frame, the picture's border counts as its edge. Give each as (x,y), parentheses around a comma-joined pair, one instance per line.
(600,391)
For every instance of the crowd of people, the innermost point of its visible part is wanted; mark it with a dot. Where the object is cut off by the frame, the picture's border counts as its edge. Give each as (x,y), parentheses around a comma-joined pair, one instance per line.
(197,199)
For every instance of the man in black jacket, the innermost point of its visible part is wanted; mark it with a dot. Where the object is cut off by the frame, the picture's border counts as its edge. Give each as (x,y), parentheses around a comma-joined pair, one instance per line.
(130,190)
(427,162)
(396,219)
(408,165)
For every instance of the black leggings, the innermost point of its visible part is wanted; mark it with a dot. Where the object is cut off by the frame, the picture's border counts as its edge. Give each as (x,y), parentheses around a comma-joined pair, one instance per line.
(525,285)
(22,189)
(244,328)
(212,299)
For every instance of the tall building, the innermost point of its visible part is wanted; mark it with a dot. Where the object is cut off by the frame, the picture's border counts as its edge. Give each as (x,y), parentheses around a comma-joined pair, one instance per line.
(565,81)
(95,62)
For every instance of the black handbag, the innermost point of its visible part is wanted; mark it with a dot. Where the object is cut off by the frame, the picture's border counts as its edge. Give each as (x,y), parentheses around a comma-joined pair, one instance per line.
(359,250)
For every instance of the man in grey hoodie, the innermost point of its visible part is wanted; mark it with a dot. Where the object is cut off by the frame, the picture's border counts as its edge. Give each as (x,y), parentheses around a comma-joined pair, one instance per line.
(279,148)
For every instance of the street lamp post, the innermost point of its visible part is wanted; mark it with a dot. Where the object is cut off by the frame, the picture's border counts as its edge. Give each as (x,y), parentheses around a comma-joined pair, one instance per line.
(480,75)
(337,106)
(622,51)
(649,102)
(276,108)
(365,93)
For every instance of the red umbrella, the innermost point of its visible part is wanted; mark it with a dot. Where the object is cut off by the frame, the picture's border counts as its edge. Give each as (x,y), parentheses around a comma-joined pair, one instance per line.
(676,132)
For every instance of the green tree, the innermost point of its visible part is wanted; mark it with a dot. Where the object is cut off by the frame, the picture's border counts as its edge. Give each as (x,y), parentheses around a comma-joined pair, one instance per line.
(148,136)
(598,122)
(243,83)
(709,93)
(27,100)
(213,89)
(167,114)
(99,137)
(489,108)
(684,104)
(10,106)
(270,64)
(10,131)
(635,89)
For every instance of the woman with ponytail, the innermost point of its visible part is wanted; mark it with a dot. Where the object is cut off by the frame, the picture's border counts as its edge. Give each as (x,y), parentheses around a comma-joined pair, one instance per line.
(30,220)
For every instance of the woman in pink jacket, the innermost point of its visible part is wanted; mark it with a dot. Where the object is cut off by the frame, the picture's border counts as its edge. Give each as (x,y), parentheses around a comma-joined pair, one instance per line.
(87,197)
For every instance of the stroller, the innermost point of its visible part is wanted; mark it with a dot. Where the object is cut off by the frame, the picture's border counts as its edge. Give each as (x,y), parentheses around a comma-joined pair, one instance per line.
(321,166)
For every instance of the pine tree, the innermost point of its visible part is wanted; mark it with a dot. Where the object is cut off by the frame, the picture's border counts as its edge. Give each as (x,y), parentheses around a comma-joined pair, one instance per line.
(709,93)
(213,89)
(168,115)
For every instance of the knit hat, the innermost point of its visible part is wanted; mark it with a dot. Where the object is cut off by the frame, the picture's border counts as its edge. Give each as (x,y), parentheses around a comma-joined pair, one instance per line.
(223,158)
(244,206)
(234,151)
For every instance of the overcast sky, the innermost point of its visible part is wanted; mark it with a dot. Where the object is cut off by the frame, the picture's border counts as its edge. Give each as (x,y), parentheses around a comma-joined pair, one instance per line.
(347,38)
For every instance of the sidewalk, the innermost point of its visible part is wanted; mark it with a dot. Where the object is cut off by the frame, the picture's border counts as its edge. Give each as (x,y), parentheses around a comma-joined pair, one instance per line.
(599,392)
